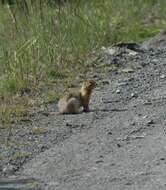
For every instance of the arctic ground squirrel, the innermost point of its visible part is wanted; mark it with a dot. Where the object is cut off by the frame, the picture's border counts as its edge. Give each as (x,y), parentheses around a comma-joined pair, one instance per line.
(73,101)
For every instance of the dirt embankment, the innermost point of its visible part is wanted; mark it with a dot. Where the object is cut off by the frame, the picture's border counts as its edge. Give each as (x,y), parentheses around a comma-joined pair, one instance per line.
(120,144)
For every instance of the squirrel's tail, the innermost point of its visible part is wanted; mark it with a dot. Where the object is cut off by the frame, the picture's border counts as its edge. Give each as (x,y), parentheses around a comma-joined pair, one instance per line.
(71,106)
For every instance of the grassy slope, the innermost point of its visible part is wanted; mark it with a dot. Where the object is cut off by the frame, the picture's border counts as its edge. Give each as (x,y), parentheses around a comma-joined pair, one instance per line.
(41,48)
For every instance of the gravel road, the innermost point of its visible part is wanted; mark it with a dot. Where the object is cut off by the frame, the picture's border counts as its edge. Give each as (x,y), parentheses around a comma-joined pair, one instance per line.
(121,143)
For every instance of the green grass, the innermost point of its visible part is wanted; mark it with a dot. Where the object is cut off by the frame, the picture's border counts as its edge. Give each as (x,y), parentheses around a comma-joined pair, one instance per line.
(48,42)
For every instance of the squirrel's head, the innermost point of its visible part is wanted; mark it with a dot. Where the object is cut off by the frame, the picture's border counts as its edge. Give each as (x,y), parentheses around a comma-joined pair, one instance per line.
(89,85)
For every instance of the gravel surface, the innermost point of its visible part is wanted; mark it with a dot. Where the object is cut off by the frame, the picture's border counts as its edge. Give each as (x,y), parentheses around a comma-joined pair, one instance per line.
(119,145)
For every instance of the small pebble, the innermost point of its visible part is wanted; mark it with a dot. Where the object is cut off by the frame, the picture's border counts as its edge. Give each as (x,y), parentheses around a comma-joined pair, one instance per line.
(101,156)
(162,76)
(150,122)
(8,169)
(109,133)
(128,70)
(122,84)
(134,95)
(147,103)
(118,145)
(145,116)
(118,91)
(99,161)
(133,123)
(105,82)
(69,124)
(130,79)
(129,183)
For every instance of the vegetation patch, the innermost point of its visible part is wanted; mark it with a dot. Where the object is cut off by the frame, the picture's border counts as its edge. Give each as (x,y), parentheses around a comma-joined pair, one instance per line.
(47,44)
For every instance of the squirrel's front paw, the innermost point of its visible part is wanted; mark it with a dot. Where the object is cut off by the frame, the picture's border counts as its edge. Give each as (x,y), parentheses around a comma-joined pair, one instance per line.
(86,110)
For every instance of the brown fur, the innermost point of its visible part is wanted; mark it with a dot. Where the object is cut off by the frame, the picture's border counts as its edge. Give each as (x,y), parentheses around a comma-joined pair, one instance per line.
(73,101)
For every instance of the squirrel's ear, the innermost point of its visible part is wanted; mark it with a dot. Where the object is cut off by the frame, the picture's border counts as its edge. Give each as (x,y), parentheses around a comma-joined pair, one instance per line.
(93,82)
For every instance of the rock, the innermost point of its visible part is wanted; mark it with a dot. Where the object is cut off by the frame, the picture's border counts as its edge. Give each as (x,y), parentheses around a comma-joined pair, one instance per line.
(101,156)
(68,124)
(155,43)
(96,76)
(133,123)
(105,82)
(135,47)
(150,122)
(122,84)
(109,133)
(45,113)
(8,169)
(147,103)
(132,53)
(162,76)
(129,183)
(127,70)
(119,145)
(118,91)
(134,95)
(145,116)
(99,161)
(109,51)
(130,79)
